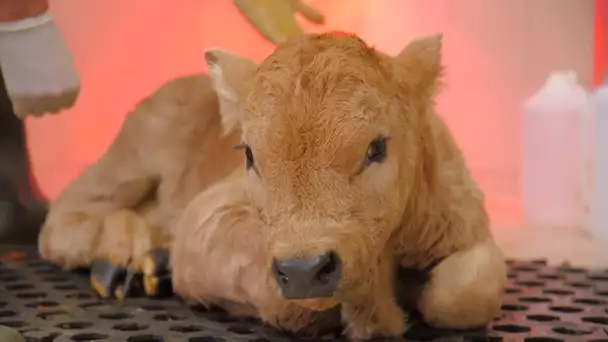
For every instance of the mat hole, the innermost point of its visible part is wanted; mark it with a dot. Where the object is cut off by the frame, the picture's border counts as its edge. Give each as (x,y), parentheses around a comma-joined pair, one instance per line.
(185,328)
(42,303)
(549,276)
(558,292)
(512,290)
(598,277)
(206,339)
(511,307)
(89,337)
(525,269)
(115,315)
(241,329)
(19,287)
(45,271)
(7,313)
(531,283)
(571,331)
(64,287)
(571,270)
(74,325)
(91,305)
(31,295)
(248,320)
(14,324)
(220,317)
(511,328)
(589,301)
(580,285)
(146,338)
(153,307)
(78,295)
(8,278)
(129,327)
(535,299)
(45,338)
(38,263)
(167,317)
(46,315)
(481,339)
(542,339)
(5,271)
(55,279)
(542,318)
(2,304)
(565,309)
(602,293)
(596,320)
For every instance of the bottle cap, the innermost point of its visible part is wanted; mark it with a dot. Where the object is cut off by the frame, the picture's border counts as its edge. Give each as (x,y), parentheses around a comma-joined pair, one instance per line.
(560,90)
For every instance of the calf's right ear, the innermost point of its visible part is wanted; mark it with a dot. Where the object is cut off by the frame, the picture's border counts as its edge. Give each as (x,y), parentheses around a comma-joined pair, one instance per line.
(422,62)
(230,75)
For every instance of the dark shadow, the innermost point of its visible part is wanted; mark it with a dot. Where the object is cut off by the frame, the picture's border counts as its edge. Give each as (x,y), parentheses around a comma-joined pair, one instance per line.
(22,208)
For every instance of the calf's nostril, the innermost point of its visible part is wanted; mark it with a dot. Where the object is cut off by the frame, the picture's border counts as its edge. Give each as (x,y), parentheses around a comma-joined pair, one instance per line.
(283,279)
(279,275)
(328,269)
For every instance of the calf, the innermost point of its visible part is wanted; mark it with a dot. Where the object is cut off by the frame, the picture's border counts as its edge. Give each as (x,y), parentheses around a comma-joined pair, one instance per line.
(292,190)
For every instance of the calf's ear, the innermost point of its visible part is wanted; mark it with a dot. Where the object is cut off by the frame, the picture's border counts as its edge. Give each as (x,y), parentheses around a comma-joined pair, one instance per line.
(420,63)
(230,75)
(419,68)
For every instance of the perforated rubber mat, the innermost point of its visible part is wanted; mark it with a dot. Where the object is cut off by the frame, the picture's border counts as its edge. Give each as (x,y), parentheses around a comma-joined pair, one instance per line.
(44,303)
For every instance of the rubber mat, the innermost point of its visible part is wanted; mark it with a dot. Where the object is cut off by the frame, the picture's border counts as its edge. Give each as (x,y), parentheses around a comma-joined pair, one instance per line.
(44,303)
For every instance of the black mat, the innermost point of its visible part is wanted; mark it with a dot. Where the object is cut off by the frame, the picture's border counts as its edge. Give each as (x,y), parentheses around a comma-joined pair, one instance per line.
(44,303)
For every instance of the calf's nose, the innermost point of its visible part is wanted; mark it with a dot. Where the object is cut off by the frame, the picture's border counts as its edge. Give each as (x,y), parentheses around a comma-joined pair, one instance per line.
(305,278)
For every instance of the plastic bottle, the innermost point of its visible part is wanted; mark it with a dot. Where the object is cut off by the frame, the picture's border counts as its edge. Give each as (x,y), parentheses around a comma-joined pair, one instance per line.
(553,150)
(598,223)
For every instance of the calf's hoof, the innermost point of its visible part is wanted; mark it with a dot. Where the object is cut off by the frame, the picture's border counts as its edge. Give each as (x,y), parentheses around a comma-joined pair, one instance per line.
(148,275)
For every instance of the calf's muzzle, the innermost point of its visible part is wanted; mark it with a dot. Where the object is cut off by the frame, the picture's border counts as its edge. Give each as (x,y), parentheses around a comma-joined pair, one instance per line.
(308,278)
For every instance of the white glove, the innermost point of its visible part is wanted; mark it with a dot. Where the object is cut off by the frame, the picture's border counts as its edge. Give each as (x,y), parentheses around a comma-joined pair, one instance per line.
(37,67)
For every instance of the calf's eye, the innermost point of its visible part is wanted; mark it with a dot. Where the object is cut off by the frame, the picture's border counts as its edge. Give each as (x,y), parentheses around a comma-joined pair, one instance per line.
(249,157)
(376,152)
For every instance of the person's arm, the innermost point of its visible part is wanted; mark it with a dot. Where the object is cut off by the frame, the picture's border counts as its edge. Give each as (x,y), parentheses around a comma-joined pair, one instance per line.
(37,67)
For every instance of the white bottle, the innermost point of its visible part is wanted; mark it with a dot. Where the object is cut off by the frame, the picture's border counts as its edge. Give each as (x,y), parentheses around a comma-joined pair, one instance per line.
(553,123)
(598,224)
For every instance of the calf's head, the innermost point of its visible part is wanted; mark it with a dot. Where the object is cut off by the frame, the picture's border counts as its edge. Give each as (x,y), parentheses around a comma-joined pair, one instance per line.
(334,138)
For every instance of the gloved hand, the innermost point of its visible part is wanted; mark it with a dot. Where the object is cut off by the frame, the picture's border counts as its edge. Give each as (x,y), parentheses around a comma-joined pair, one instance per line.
(37,67)
(274,19)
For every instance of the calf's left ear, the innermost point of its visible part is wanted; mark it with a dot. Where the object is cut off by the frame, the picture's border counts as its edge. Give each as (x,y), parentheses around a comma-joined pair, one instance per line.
(230,75)
(420,63)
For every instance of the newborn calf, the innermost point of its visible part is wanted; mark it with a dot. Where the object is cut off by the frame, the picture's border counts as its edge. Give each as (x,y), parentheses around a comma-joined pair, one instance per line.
(292,190)
(348,175)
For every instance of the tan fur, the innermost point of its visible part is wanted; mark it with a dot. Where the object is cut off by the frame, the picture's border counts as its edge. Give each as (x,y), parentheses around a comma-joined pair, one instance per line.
(151,168)
(308,112)
(467,281)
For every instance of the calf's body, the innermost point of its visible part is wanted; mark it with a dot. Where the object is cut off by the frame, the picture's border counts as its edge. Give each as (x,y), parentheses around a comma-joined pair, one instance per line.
(341,168)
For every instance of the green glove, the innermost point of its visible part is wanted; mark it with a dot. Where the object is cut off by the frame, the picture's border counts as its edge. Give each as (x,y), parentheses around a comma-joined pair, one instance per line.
(274,19)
